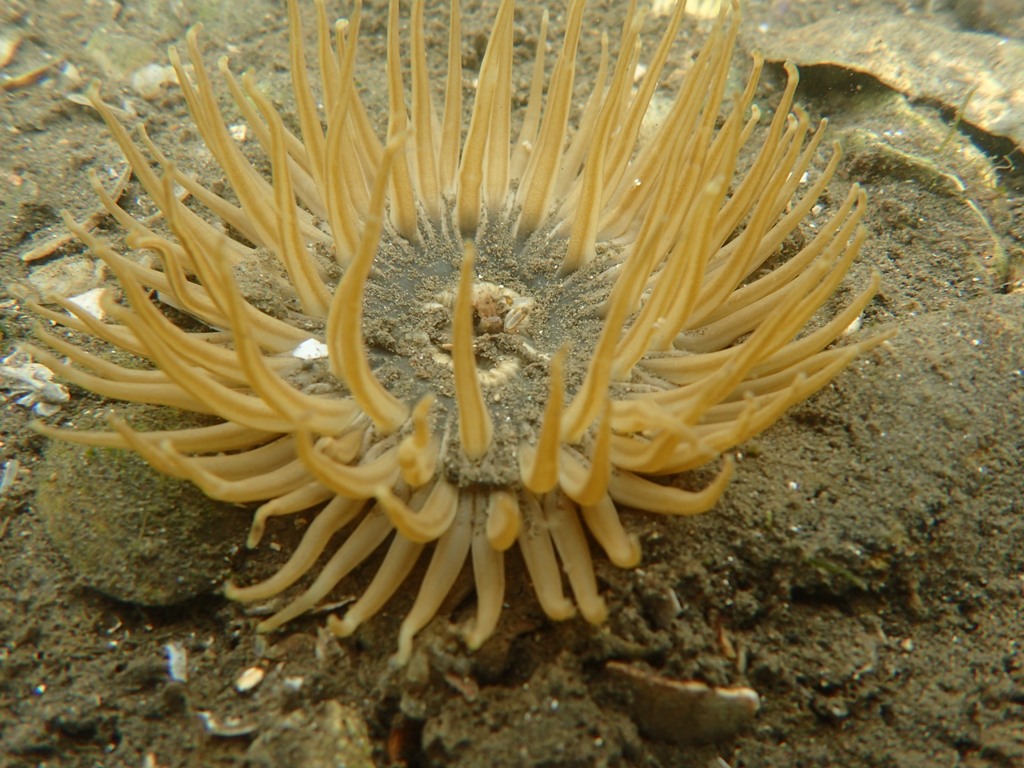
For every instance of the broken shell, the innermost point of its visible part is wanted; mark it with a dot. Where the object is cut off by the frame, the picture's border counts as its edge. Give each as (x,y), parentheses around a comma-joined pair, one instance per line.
(9,42)
(229,728)
(684,712)
(32,384)
(92,302)
(310,349)
(177,662)
(249,679)
(151,80)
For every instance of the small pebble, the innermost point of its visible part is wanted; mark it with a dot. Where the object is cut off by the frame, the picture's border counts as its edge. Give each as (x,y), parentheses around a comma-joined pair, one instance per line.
(177,662)
(249,679)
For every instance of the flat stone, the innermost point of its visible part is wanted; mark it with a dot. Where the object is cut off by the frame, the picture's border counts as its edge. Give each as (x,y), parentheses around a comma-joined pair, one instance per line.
(921,58)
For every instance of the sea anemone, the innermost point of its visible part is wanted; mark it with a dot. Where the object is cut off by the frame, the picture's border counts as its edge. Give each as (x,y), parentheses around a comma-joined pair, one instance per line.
(470,336)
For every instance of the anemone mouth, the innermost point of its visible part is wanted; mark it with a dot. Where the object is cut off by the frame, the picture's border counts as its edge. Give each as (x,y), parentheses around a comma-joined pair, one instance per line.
(519,332)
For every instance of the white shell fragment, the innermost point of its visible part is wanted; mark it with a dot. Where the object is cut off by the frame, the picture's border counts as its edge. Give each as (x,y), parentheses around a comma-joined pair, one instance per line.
(9,42)
(9,475)
(228,728)
(697,9)
(177,662)
(92,302)
(31,384)
(310,349)
(684,712)
(151,80)
(249,679)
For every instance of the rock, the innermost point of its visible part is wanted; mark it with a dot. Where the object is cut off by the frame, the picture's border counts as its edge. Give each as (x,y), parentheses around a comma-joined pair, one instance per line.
(329,736)
(1004,17)
(922,59)
(118,53)
(131,532)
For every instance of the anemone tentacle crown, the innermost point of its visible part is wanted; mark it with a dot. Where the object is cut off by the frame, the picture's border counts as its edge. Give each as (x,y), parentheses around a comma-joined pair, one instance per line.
(526,322)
